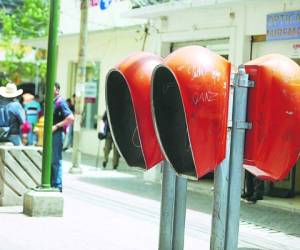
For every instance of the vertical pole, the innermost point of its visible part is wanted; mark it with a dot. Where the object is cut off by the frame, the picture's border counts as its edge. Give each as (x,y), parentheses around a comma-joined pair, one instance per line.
(221,176)
(179,213)
(50,80)
(167,207)
(239,126)
(217,238)
(80,81)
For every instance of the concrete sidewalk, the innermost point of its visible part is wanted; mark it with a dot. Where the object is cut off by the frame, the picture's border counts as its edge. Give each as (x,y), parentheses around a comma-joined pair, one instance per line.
(278,214)
(106,209)
(205,186)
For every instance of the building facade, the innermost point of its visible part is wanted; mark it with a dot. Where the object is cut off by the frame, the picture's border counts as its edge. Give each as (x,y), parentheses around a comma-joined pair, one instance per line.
(236,29)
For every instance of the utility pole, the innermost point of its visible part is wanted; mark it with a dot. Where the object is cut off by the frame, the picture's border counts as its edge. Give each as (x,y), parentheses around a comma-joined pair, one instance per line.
(79,89)
(50,80)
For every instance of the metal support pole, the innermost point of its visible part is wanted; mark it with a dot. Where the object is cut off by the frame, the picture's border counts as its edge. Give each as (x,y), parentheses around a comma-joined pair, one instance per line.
(221,176)
(179,213)
(80,81)
(167,207)
(50,80)
(239,126)
(217,237)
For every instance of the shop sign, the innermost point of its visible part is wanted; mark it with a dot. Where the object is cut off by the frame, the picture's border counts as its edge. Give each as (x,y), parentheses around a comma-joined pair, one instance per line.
(296,50)
(90,92)
(104,4)
(283,26)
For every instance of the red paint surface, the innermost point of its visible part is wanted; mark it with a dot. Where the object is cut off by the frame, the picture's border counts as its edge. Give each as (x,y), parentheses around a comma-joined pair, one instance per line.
(137,70)
(273,144)
(203,78)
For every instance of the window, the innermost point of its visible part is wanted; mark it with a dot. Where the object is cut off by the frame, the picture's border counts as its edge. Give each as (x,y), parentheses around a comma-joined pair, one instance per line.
(91,92)
(220,46)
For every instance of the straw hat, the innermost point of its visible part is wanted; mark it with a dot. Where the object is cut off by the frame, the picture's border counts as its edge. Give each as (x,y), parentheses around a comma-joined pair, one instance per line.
(10,91)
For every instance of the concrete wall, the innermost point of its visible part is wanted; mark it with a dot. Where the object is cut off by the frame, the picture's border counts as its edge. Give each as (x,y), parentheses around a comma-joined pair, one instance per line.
(20,170)
(290,48)
(98,19)
(236,20)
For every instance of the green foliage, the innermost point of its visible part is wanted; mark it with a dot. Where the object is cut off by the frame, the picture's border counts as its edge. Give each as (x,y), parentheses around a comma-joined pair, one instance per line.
(29,20)
(21,72)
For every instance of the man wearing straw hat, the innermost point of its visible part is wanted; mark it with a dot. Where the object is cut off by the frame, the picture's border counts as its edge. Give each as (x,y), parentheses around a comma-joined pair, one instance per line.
(12,115)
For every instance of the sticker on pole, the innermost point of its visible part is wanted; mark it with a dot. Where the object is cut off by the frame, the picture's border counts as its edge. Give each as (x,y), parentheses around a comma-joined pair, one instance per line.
(272,146)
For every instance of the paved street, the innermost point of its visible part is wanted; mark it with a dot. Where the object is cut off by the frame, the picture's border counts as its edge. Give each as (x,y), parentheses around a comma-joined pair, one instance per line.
(106,209)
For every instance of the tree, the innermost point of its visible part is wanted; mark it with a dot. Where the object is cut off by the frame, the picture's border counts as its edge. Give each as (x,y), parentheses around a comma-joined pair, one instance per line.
(27,20)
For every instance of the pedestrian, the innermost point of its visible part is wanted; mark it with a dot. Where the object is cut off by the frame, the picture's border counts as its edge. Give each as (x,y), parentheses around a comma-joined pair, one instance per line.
(70,104)
(25,130)
(68,141)
(62,117)
(32,110)
(109,144)
(254,188)
(12,114)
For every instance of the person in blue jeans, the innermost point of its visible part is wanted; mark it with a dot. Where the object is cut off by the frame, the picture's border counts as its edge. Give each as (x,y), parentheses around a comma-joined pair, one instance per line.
(62,117)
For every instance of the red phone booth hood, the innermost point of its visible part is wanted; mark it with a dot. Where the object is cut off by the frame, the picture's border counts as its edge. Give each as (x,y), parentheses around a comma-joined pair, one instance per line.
(273,144)
(129,109)
(190,94)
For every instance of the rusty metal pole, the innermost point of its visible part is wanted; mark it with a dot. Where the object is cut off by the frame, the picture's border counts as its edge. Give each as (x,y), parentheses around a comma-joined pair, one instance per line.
(79,89)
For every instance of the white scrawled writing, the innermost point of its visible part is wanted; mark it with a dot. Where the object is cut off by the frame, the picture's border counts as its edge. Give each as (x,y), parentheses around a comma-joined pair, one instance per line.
(207,96)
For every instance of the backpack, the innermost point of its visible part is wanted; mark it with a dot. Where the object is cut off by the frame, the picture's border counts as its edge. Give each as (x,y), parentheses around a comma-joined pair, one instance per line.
(4,123)
(58,107)
(60,112)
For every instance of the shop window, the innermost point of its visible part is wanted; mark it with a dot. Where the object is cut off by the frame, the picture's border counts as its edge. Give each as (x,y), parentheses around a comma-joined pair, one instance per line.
(220,46)
(89,118)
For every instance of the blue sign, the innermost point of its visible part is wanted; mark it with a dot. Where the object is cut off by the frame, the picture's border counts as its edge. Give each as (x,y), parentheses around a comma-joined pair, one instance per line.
(283,26)
(104,4)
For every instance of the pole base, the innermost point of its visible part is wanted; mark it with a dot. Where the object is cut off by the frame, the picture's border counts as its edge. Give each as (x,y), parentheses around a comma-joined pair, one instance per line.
(43,203)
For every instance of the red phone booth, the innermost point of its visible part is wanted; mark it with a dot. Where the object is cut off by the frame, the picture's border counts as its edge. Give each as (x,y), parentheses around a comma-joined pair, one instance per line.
(190,95)
(129,109)
(272,146)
